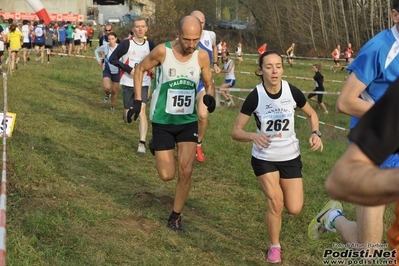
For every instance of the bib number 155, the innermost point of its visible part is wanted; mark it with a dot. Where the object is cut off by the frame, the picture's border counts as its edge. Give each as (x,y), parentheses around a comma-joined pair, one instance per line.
(180,102)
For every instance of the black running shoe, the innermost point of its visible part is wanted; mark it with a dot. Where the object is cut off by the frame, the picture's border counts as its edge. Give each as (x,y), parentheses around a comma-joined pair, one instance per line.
(175,225)
(151,146)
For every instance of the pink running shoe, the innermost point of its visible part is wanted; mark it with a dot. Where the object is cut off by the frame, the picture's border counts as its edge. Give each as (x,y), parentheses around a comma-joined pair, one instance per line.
(274,255)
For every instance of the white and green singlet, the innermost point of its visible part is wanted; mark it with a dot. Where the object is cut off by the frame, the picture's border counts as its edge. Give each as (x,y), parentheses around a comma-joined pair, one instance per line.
(173,99)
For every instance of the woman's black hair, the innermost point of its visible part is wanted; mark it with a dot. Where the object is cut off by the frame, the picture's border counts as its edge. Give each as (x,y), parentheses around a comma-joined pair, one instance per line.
(395,5)
(260,61)
(113,34)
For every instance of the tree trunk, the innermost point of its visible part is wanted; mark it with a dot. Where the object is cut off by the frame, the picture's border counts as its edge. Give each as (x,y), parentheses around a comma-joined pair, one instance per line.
(344,21)
(323,23)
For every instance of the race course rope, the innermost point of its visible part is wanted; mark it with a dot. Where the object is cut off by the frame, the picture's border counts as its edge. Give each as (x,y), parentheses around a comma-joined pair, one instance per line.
(292,77)
(299,116)
(249,90)
(72,55)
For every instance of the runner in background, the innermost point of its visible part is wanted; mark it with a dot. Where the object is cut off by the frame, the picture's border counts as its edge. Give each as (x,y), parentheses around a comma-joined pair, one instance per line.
(230,79)
(318,81)
(291,54)
(27,42)
(208,43)
(348,54)
(335,54)
(262,48)
(111,74)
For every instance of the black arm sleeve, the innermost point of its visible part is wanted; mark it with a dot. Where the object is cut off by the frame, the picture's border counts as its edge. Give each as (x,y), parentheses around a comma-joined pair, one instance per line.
(151,44)
(250,103)
(298,96)
(377,133)
(120,51)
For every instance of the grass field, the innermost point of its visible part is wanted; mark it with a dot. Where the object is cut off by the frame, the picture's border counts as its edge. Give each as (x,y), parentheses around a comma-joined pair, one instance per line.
(79,195)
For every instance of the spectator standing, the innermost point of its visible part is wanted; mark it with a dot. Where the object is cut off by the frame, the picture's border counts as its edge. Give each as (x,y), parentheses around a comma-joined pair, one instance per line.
(91,14)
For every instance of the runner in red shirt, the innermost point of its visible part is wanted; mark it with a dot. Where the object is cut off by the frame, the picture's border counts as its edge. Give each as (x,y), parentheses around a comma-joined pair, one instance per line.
(262,48)
(89,31)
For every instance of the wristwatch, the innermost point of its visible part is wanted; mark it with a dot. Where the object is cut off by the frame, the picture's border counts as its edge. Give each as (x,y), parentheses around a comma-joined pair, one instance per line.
(318,133)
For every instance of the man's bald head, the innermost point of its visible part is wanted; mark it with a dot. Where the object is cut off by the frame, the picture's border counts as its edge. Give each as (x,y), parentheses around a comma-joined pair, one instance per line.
(198,14)
(189,34)
(189,23)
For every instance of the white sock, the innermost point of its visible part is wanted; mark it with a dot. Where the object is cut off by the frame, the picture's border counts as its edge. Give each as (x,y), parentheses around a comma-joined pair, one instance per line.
(333,215)
(275,246)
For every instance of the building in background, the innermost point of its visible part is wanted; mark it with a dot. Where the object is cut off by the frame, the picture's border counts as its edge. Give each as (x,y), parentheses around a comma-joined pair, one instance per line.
(81,10)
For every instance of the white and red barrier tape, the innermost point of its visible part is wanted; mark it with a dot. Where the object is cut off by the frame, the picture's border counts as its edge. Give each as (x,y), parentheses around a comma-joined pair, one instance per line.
(3,196)
(311,79)
(249,90)
(326,124)
(293,77)
(72,55)
(301,57)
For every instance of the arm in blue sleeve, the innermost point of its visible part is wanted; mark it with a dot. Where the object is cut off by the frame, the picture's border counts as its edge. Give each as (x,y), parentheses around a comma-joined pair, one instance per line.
(97,51)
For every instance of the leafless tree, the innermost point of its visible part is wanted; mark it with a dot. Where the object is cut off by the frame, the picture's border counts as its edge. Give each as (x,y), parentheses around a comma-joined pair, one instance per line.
(317,26)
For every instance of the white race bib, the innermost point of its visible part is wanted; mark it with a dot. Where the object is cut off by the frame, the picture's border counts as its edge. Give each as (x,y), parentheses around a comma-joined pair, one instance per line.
(180,102)
(277,125)
(266,126)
